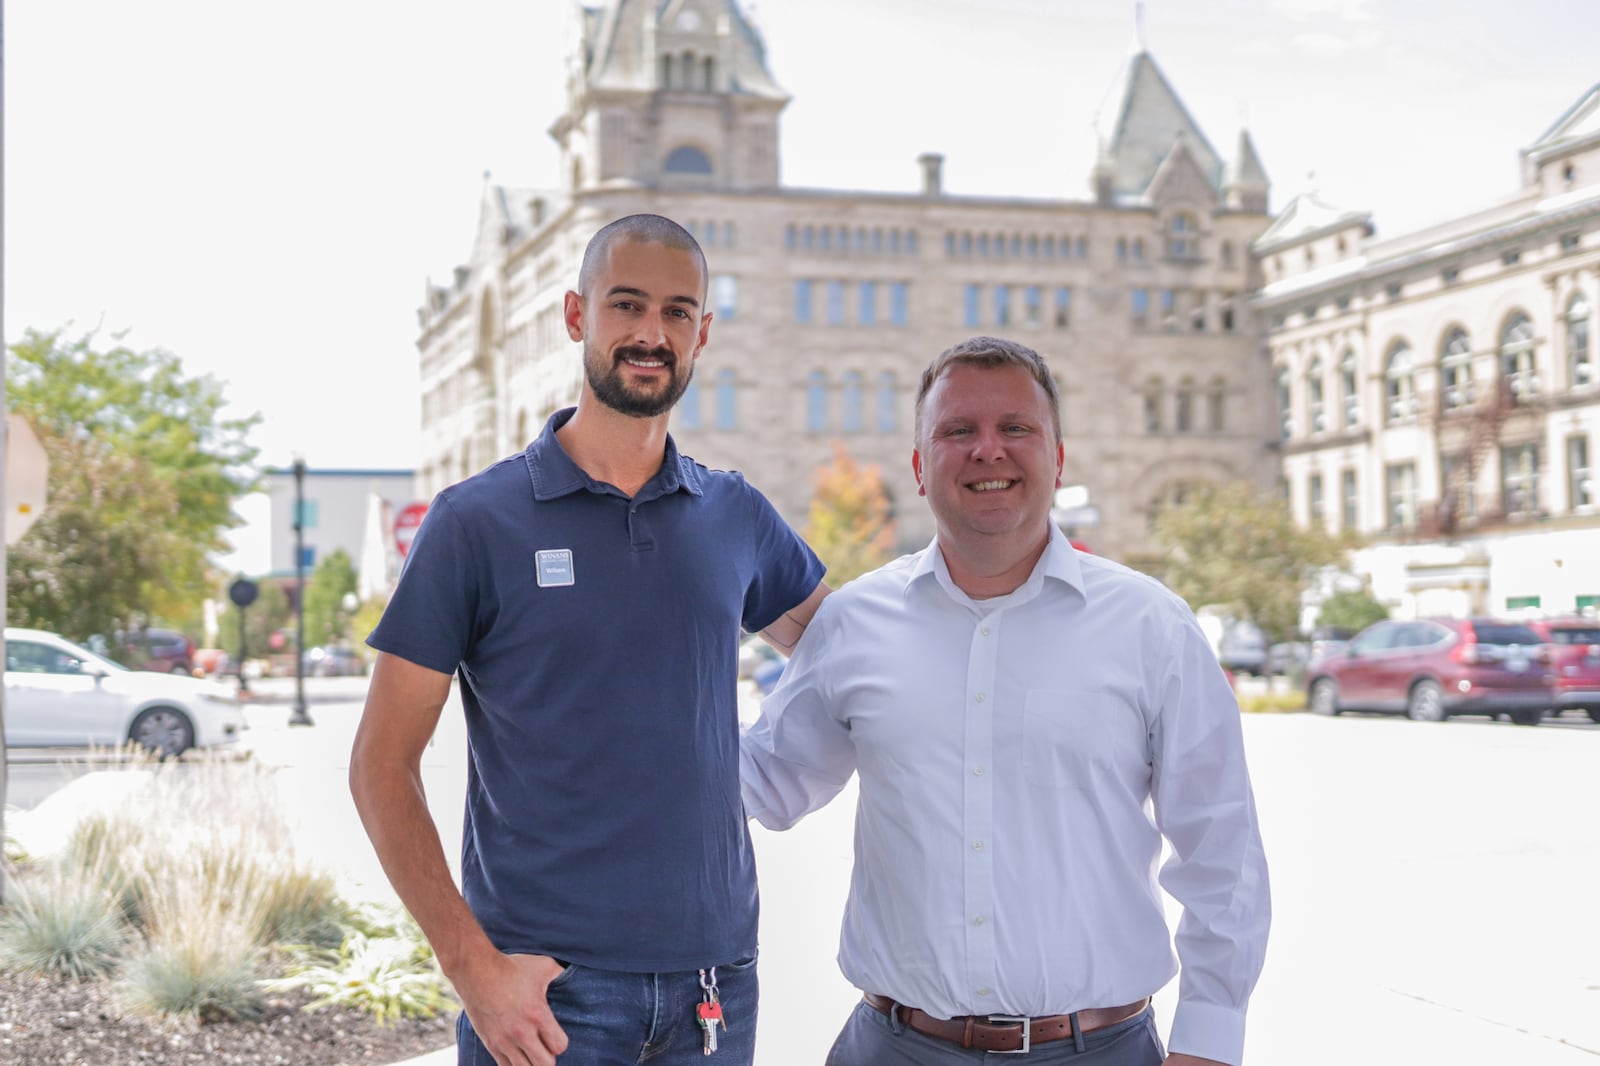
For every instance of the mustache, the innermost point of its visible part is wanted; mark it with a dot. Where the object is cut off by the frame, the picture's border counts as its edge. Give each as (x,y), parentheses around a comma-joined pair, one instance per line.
(636,352)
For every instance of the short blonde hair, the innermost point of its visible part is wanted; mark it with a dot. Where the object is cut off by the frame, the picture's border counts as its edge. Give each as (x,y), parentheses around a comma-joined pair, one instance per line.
(990,353)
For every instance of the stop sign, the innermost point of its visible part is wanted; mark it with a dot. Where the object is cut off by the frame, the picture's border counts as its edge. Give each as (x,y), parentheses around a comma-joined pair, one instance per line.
(405,526)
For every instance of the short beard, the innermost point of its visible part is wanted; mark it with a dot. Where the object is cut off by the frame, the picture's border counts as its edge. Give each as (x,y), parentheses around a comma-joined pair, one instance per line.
(609,389)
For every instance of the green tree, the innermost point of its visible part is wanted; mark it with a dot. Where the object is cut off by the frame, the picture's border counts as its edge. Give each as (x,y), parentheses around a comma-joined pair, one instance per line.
(1236,548)
(849,525)
(144,472)
(1351,610)
(327,622)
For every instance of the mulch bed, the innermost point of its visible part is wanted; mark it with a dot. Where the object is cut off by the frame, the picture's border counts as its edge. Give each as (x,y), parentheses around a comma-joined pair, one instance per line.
(61,1022)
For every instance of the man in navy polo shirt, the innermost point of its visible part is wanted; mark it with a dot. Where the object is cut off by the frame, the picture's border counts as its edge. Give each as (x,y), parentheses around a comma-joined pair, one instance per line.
(589,594)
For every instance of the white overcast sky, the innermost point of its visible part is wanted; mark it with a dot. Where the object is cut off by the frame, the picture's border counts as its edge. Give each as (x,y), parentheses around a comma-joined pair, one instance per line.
(263,188)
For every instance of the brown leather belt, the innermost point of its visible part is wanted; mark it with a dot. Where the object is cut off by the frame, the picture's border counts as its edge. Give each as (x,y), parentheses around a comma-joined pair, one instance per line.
(1002,1032)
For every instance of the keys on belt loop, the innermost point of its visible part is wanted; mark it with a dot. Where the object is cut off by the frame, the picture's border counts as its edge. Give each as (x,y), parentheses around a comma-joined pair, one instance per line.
(709,1010)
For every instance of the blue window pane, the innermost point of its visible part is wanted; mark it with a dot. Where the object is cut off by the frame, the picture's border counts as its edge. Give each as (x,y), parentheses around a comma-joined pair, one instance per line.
(725,296)
(688,409)
(852,402)
(1002,305)
(1063,307)
(727,401)
(888,405)
(897,303)
(869,303)
(802,301)
(835,303)
(970,315)
(817,402)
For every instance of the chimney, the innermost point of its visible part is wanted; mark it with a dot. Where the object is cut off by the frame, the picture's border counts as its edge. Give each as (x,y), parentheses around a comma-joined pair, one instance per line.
(932,173)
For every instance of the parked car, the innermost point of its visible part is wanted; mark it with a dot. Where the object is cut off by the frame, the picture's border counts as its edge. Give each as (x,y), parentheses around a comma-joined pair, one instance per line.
(59,694)
(1242,648)
(164,651)
(1287,659)
(1575,657)
(334,660)
(1433,668)
(760,662)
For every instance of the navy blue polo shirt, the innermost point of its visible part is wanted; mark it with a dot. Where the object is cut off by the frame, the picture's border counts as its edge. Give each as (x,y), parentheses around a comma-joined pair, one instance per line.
(596,642)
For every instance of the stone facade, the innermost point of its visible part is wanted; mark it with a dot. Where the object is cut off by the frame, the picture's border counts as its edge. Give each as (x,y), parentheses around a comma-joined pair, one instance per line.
(1437,392)
(828,303)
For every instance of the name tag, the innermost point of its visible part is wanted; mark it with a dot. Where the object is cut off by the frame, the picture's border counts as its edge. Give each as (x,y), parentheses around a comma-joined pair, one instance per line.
(555,568)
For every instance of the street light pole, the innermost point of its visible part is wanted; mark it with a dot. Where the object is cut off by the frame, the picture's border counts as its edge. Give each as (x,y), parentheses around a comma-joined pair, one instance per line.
(299,717)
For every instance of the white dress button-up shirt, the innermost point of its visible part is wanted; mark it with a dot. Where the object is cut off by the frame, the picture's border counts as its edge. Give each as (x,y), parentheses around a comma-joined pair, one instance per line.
(1021,759)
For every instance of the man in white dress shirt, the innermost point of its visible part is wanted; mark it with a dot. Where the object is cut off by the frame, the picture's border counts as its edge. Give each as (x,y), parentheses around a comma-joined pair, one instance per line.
(1029,723)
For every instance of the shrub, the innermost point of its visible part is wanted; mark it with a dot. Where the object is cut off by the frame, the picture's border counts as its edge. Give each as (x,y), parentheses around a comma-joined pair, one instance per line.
(381,976)
(61,921)
(1271,702)
(199,958)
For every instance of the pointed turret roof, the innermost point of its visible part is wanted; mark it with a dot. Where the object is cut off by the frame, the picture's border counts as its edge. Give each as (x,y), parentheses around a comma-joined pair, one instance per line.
(624,55)
(1244,169)
(1139,121)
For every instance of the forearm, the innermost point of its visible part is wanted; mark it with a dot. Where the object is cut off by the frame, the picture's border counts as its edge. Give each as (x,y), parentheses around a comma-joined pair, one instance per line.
(394,810)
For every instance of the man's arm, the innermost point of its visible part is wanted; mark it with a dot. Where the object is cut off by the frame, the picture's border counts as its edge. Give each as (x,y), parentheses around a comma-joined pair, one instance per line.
(504,995)
(785,633)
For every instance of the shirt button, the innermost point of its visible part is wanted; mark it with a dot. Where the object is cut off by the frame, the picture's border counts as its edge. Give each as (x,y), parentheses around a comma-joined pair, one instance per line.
(978,920)
(977,771)
(984,631)
(977,845)
(983,991)
(979,697)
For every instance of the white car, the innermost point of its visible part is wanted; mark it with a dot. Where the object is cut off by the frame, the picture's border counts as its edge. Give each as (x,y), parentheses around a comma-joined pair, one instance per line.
(61,695)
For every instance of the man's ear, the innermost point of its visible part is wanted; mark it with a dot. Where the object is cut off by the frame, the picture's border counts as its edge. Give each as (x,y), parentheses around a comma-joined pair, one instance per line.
(572,314)
(916,468)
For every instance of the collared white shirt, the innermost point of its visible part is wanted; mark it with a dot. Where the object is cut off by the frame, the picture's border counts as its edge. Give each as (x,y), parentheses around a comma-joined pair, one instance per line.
(1020,759)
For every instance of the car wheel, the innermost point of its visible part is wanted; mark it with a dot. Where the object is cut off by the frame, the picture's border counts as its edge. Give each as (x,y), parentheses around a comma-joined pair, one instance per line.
(1527,717)
(179,668)
(164,731)
(1426,703)
(1324,696)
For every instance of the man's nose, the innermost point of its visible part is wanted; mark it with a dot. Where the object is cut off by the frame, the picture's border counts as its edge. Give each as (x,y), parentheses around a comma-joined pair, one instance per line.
(650,332)
(988,445)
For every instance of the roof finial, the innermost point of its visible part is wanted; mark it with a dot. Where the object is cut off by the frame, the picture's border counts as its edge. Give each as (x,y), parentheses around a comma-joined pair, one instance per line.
(1138,26)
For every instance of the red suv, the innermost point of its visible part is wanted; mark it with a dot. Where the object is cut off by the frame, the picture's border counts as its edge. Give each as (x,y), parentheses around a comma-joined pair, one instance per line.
(1575,655)
(1432,668)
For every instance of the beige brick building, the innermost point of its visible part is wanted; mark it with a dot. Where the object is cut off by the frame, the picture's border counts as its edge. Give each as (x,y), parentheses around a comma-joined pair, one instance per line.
(1438,390)
(829,302)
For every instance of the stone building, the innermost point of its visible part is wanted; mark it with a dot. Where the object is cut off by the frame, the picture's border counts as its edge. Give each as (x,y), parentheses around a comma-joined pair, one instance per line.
(1438,392)
(829,302)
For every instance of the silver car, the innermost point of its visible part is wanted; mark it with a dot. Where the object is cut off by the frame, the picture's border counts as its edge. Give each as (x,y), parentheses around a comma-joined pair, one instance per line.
(59,694)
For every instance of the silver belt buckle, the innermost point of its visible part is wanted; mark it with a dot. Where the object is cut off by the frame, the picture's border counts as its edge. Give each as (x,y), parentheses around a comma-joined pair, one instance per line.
(1027,1032)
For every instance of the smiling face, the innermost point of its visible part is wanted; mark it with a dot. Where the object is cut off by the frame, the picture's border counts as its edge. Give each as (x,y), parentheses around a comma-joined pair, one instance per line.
(988,460)
(643,324)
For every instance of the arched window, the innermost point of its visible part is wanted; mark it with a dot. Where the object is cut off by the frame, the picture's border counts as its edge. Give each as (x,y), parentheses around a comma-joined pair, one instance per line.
(1183,236)
(1349,391)
(1285,418)
(687,159)
(1138,249)
(1316,410)
(888,403)
(666,72)
(852,420)
(1400,384)
(1517,367)
(711,74)
(1152,405)
(1455,371)
(1580,361)
(727,399)
(1217,399)
(1122,249)
(1227,254)
(1185,406)
(817,402)
(687,411)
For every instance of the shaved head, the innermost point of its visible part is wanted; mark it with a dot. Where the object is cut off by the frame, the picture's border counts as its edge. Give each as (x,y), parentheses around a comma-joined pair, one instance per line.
(654,228)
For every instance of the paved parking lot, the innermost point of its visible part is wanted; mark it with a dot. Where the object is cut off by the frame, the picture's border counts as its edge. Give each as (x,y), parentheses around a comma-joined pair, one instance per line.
(1434,884)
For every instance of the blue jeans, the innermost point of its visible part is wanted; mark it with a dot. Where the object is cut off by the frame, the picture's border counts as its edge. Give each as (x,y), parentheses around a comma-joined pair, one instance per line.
(870,1038)
(621,1019)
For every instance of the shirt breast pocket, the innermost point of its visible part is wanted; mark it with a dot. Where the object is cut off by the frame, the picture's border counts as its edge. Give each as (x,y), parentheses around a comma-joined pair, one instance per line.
(1074,739)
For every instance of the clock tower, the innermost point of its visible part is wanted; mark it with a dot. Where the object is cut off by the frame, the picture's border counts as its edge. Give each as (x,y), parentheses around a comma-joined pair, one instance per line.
(672,95)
